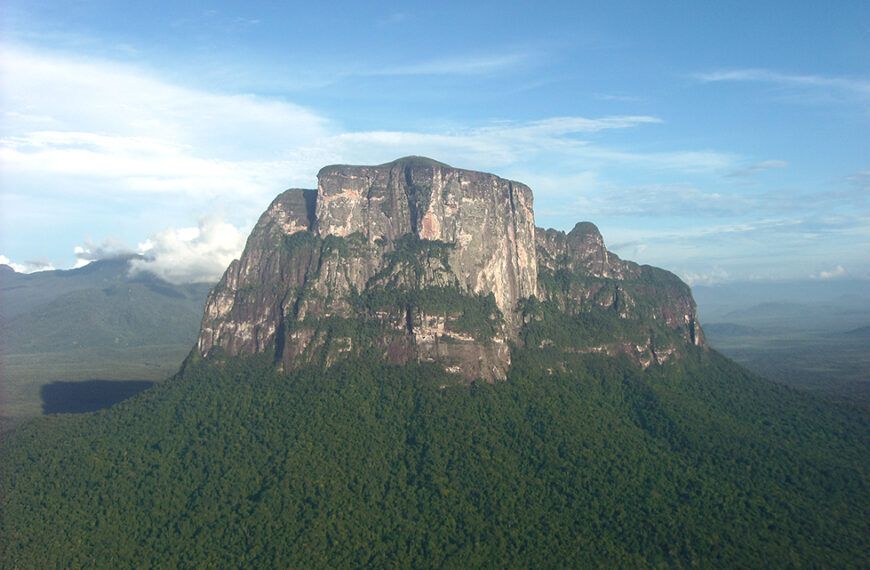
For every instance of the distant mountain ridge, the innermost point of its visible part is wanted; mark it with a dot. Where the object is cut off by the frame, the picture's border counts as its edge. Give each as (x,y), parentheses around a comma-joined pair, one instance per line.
(97,305)
(20,292)
(805,334)
(420,261)
(86,326)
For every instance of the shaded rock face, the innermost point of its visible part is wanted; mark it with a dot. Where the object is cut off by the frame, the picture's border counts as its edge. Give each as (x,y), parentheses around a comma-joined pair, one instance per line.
(651,312)
(416,260)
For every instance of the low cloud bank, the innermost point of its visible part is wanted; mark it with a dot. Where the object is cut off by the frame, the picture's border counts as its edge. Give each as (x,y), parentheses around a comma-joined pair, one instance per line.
(838,271)
(110,248)
(31,266)
(713,277)
(186,255)
(190,255)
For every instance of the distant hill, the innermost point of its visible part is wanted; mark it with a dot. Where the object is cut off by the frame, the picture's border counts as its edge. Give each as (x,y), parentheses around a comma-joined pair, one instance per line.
(769,309)
(820,316)
(812,335)
(834,304)
(21,292)
(714,330)
(93,324)
(125,313)
(860,332)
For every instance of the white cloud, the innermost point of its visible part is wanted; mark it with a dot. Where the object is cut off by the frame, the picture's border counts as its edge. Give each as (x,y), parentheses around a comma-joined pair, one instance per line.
(122,126)
(559,126)
(27,267)
(463,65)
(715,275)
(846,85)
(506,143)
(83,127)
(110,248)
(860,180)
(133,165)
(616,97)
(52,92)
(15,266)
(681,161)
(838,271)
(598,199)
(191,255)
(571,187)
(124,147)
(393,18)
(118,128)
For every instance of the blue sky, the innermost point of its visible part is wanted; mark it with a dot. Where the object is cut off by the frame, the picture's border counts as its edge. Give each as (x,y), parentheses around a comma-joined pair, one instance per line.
(723,141)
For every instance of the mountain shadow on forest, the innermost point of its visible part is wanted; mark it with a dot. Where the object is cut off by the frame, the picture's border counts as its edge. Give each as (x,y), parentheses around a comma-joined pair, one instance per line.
(88,396)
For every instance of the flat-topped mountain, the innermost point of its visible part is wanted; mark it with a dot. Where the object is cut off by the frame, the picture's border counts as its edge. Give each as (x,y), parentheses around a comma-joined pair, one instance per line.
(420,261)
(616,440)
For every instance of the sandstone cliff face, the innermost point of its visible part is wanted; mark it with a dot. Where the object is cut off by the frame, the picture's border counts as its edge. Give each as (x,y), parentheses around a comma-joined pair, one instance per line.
(416,260)
(489,219)
(371,229)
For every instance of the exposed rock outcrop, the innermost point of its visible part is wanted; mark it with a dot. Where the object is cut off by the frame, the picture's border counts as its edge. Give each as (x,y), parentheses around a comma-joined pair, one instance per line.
(416,260)
(415,246)
(653,310)
(489,219)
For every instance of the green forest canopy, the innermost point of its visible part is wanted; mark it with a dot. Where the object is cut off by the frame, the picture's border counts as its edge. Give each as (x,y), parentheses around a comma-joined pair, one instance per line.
(591,463)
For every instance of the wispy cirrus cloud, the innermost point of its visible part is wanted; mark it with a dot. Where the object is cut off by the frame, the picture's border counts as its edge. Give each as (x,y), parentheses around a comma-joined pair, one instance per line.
(758,167)
(463,65)
(854,86)
(859,180)
(710,277)
(767,247)
(617,97)
(496,145)
(110,127)
(66,116)
(713,201)
(393,18)
(93,132)
(506,143)
(54,92)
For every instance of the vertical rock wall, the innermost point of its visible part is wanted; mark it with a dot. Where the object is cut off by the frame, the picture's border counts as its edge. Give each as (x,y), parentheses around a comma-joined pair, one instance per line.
(355,221)
(417,260)
(490,220)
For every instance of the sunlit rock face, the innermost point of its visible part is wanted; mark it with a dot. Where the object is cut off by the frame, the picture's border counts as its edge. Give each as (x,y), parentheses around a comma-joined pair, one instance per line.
(408,261)
(483,226)
(489,219)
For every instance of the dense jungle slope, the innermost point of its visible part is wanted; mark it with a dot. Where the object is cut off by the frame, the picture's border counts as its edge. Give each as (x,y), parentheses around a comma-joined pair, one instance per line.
(371,465)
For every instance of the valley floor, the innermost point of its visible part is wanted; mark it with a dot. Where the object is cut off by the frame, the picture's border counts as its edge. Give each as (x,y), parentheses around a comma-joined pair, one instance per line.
(51,382)
(833,365)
